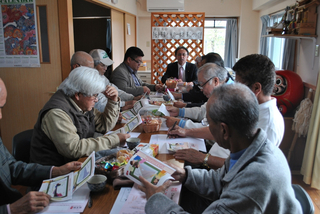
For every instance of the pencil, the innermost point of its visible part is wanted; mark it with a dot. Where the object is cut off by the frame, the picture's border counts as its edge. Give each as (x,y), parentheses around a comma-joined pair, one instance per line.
(172,128)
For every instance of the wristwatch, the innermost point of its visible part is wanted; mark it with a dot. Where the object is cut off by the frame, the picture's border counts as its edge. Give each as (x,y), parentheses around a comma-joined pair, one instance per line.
(205,160)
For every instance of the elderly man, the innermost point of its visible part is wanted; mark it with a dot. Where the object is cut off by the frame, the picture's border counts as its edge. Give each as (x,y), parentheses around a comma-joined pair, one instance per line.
(183,70)
(101,63)
(210,76)
(258,73)
(66,125)
(14,172)
(125,75)
(255,178)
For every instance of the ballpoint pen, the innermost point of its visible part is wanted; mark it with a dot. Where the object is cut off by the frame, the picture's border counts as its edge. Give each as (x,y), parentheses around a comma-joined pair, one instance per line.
(172,128)
(90,200)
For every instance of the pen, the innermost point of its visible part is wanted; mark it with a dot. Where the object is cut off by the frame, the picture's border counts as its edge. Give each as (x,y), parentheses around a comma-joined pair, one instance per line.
(90,200)
(172,128)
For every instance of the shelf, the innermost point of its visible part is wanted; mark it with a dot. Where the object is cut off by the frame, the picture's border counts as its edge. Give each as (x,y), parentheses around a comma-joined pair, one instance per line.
(298,37)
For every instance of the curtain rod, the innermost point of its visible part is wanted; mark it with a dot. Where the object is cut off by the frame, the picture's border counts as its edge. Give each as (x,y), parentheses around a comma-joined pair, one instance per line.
(276,12)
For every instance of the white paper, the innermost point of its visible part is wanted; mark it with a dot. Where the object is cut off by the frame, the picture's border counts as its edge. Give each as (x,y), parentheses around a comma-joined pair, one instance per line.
(161,140)
(171,96)
(164,110)
(136,200)
(76,205)
(121,200)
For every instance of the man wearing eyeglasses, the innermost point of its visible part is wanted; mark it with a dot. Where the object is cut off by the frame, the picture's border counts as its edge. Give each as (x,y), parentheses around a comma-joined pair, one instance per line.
(125,75)
(101,63)
(66,124)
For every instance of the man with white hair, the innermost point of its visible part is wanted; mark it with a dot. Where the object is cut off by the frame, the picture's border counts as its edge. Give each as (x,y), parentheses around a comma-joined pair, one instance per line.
(66,124)
(101,62)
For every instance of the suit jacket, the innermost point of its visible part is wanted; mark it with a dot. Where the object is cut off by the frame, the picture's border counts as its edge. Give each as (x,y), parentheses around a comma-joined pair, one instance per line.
(17,173)
(122,78)
(191,72)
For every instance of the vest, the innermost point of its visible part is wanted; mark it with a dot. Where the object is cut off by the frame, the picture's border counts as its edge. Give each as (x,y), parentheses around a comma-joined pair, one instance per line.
(42,149)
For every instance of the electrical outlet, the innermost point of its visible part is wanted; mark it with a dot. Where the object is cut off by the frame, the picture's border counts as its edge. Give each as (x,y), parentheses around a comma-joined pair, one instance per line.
(316,51)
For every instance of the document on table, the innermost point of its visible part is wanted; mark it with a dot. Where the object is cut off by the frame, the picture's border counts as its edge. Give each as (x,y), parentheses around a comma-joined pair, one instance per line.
(76,205)
(133,200)
(161,140)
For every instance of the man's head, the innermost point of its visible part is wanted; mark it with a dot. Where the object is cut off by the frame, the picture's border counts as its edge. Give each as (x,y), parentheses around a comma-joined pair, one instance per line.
(232,108)
(213,58)
(133,57)
(210,76)
(257,72)
(83,85)
(101,60)
(181,54)
(3,96)
(81,58)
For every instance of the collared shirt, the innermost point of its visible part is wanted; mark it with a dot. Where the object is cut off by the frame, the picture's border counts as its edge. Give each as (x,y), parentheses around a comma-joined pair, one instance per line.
(133,74)
(183,71)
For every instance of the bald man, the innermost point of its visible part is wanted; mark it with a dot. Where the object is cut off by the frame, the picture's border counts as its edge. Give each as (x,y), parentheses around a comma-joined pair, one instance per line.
(14,172)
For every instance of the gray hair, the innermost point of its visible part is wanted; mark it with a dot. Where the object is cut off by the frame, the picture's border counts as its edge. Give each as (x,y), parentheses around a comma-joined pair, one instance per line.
(95,61)
(85,80)
(237,106)
(80,58)
(210,70)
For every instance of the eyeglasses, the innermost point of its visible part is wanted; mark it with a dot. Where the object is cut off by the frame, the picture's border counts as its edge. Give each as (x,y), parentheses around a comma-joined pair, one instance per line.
(202,86)
(94,96)
(138,62)
(103,65)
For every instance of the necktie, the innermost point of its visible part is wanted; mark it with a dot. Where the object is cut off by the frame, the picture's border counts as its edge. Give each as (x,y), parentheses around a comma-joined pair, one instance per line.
(181,73)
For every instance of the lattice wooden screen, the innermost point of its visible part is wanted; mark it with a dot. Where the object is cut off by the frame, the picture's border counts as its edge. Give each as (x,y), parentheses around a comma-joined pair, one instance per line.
(162,50)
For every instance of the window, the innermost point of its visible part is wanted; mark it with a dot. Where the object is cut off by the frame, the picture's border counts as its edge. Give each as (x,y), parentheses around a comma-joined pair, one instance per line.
(214,35)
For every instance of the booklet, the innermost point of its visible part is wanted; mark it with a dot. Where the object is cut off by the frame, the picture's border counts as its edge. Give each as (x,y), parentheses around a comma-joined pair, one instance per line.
(129,126)
(173,147)
(150,168)
(61,188)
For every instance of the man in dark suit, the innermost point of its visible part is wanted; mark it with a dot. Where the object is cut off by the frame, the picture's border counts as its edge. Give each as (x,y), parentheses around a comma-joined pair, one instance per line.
(181,69)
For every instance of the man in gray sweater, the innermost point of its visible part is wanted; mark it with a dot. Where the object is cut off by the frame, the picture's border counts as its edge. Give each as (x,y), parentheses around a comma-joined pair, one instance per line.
(254,179)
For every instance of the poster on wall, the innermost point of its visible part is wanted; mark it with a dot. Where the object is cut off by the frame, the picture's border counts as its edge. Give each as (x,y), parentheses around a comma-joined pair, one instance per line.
(18,34)
(177,32)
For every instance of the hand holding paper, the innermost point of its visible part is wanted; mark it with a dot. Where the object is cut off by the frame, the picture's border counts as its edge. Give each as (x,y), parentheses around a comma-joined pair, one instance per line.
(150,189)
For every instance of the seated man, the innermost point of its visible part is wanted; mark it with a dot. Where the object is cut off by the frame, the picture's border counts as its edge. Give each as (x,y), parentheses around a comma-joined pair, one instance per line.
(101,63)
(195,95)
(255,178)
(125,75)
(183,70)
(258,73)
(66,125)
(210,76)
(81,58)
(14,172)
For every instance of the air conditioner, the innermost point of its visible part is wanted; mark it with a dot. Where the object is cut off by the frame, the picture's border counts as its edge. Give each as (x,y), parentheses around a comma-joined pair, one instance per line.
(165,5)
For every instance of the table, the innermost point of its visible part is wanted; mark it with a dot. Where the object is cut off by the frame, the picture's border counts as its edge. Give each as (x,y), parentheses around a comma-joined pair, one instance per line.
(103,201)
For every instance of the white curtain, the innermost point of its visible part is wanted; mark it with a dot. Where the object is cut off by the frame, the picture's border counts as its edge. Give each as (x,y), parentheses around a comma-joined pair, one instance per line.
(264,40)
(231,43)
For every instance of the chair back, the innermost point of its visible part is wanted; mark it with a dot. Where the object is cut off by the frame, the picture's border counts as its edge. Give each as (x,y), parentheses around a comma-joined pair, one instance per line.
(21,145)
(304,199)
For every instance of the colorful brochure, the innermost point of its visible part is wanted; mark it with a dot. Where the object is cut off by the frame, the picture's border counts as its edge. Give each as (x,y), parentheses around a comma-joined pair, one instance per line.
(61,188)
(150,168)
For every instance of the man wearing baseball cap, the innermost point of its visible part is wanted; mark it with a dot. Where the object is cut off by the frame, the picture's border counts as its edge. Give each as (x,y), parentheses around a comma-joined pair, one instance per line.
(101,62)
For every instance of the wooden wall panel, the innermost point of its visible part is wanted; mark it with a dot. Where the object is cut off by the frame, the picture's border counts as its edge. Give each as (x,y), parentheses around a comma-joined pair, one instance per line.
(29,88)
(130,39)
(117,34)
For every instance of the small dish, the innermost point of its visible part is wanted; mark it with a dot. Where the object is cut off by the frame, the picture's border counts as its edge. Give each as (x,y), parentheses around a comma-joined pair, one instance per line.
(97,183)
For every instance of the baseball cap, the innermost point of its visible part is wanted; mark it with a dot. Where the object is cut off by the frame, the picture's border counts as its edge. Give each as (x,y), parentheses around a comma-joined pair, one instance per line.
(102,56)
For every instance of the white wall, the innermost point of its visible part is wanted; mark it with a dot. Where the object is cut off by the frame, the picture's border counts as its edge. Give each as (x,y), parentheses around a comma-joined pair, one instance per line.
(126,5)
(306,68)
(248,21)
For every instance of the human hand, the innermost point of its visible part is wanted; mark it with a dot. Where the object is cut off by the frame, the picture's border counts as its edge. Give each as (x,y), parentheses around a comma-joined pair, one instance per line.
(176,95)
(122,138)
(146,89)
(179,174)
(190,155)
(149,189)
(174,111)
(176,132)
(138,97)
(111,93)
(179,104)
(159,87)
(32,202)
(129,105)
(171,120)
(65,169)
